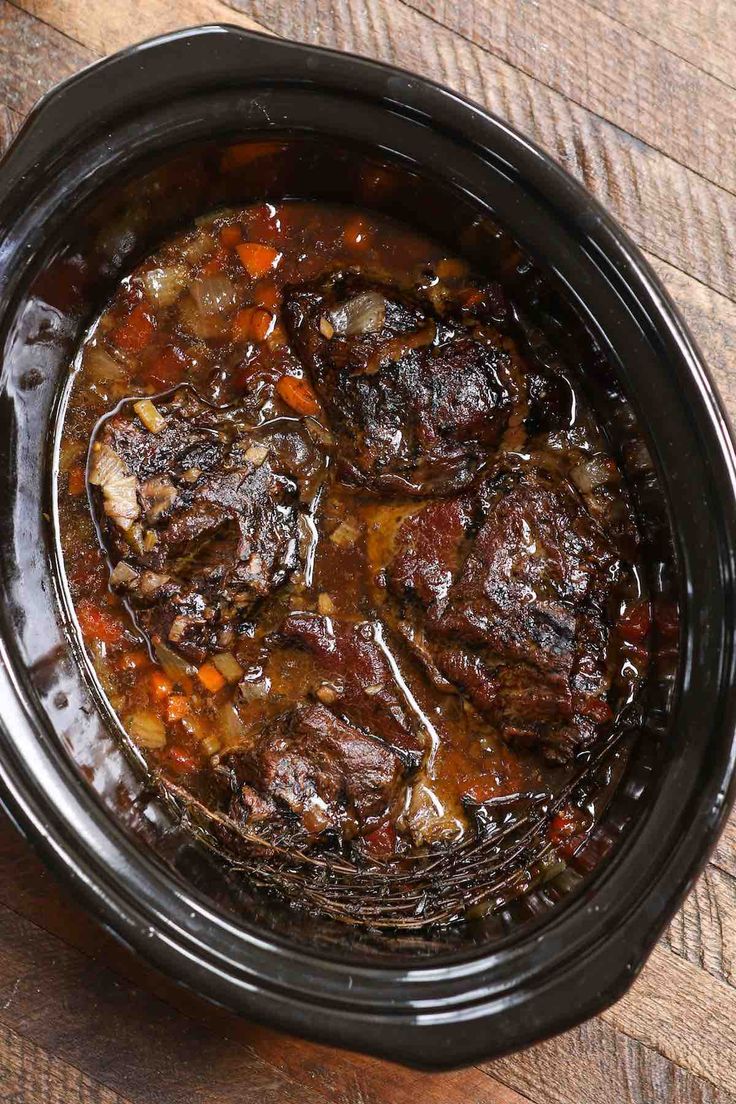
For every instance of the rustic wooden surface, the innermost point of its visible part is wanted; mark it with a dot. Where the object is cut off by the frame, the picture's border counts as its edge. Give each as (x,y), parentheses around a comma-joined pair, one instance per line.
(637,98)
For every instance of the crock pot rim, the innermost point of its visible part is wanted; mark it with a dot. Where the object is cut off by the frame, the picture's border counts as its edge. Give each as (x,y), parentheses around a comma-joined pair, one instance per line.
(409,1038)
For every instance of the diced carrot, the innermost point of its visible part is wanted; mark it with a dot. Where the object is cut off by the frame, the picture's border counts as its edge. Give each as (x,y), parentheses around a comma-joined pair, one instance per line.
(355,233)
(98,624)
(381,842)
(210,678)
(159,685)
(267,295)
(181,760)
(230,236)
(252,324)
(77,481)
(167,369)
(135,332)
(177,707)
(298,394)
(257,259)
(244,153)
(133,661)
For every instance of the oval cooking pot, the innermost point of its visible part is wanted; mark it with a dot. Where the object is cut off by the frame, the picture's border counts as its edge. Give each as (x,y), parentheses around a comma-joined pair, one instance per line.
(447,1005)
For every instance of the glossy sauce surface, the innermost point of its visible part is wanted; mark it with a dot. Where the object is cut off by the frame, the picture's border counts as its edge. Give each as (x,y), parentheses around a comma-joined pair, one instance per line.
(337,627)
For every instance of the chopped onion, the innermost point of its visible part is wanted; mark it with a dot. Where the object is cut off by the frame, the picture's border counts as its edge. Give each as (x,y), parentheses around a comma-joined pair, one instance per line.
(325,604)
(346,534)
(165,285)
(328,693)
(106,466)
(256,454)
(120,501)
(123,575)
(149,415)
(364,313)
(158,495)
(147,729)
(326,328)
(594,472)
(228,666)
(102,368)
(173,664)
(151,582)
(213,294)
(373,690)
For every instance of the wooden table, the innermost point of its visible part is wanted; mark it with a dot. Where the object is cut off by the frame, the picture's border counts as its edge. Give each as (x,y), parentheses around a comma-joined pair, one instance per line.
(637,98)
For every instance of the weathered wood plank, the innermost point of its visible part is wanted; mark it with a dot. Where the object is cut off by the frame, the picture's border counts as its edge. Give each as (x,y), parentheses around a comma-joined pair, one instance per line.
(712,319)
(669,210)
(33,57)
(344,1078)
(29,1075)
(109,27)
(127,1040)
(594,1064)
(612,71)
(9,124)
(704,930)
(683,1013)
(701,31)
(725,852)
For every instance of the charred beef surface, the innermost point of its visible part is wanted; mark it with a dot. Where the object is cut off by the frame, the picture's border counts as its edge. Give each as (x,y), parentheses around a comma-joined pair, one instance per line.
(367,587)
(329,774)
(417,400)
(515,588)
(201,515)
(356,674)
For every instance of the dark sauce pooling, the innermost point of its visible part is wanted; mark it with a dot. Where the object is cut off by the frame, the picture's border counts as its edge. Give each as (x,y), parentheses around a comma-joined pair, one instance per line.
(369,586)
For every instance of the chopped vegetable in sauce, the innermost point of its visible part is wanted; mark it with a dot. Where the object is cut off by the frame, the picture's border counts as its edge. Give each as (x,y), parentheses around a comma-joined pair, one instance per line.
(368,576)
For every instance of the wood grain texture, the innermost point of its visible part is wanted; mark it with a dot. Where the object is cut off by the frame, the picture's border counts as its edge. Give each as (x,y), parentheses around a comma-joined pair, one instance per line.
(107,27)
(725,851)
(669,209)
(30,1075)
(704,930)
(595,1064)
(702,32)
(33,57)
(29,890)
(9,123)
(601,64)
(683,1014)
(139,1047)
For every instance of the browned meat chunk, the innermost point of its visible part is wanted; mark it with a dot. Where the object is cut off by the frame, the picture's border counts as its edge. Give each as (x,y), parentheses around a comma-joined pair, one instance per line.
(521,628)
(355,675)
(428,555)
(417,401)
(326,772)
(201,515)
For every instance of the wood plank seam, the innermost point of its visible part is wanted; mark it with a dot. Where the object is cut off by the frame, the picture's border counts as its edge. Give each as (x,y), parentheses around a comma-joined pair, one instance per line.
(573,99)
(686,221)
(660,46)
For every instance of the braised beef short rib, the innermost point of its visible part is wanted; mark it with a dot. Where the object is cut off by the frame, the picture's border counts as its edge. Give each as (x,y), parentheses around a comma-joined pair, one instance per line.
(200,516)
(417,400)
